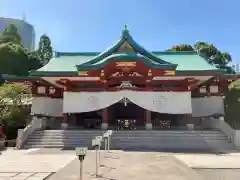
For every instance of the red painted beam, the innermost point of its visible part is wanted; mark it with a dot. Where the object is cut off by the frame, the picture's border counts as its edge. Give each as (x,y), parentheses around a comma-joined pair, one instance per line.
(177,89)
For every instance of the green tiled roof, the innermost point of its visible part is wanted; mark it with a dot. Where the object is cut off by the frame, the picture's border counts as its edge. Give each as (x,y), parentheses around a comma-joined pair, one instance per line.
(66,63)
(71,63)
(186,60)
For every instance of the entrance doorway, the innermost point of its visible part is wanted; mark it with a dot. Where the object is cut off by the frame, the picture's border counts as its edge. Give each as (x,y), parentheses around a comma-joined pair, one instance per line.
(166,121)
(126,116)
(89,120)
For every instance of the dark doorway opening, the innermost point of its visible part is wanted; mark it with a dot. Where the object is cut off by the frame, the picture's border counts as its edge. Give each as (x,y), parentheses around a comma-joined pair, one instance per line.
(126,113)
(89,120)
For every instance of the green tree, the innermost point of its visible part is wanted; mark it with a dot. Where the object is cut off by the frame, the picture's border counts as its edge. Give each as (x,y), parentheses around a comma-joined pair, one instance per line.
(181,47)
(232,105)
(45,50)
(10,34)
(209,51)
(12,113)
(14,58)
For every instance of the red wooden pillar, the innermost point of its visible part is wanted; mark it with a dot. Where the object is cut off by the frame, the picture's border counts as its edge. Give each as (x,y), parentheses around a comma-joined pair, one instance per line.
(104,124)
(148,120)
(64,123)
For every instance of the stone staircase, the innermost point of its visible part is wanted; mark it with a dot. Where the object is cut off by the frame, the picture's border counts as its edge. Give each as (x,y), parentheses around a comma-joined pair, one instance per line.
(179,141)
(169,140)
(61,138)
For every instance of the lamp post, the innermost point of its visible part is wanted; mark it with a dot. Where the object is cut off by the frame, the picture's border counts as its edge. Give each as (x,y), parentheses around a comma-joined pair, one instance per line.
(96,144)
(99,149)
(81,153)
(105,137)
(109,137)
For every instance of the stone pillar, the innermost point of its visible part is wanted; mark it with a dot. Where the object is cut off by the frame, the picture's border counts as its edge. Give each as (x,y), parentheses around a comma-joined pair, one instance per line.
(64,123)
(104,124)
(189,122)
(148,117)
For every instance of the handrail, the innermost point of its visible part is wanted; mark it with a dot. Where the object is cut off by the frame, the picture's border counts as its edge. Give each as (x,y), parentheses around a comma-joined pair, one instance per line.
(23,134)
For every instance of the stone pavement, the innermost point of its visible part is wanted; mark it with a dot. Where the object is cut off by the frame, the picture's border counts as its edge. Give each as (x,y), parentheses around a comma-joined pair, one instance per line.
(23,176)
(212,166)
(24,164)
(39,164)
(211,161)
(129,166)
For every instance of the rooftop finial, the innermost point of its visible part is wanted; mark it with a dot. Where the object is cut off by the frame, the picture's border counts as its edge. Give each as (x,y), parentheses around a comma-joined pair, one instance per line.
(125,31)
(125,27)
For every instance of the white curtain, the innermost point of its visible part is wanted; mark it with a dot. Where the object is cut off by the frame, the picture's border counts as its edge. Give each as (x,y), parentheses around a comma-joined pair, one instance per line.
(162,102)
(74,102)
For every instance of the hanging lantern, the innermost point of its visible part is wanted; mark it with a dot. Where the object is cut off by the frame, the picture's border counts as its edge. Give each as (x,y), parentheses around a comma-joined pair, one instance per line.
(125,101)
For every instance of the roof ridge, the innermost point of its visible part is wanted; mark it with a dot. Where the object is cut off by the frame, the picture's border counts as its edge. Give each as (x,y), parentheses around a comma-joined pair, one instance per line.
(58,54)
(176,52)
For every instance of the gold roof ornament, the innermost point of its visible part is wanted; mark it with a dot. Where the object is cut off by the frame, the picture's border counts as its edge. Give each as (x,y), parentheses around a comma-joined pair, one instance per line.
(82,73)
(149,72)
(102,72)
(169,73)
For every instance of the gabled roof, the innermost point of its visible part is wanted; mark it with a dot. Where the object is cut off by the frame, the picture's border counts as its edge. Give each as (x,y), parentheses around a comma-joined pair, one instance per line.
(138,53)
(70,63)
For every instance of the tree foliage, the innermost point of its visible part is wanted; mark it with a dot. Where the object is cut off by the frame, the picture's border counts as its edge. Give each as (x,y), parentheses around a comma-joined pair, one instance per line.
(10,34)
(45,50)
(232,105)
(182,47)
(12,112)
(209,51)
(12,97)
(14,58)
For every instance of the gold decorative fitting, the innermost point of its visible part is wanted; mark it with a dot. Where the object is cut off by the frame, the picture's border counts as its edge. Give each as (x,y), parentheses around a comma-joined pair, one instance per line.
(149,72)
(102,72)
(82,73)
(169,73)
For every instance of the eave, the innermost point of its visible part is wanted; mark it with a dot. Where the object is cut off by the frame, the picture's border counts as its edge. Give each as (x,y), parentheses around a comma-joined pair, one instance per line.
(124,57)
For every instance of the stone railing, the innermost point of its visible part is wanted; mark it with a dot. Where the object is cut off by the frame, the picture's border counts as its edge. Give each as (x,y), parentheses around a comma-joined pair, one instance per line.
(232,134)
(23,134)
(2,143)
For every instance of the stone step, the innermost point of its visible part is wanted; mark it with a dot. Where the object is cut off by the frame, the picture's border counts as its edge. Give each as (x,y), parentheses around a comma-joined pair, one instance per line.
(138,139)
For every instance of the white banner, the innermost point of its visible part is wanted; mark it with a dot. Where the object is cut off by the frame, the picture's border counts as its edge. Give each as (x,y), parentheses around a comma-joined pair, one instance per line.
(47,106)
(162,102)
(207,106)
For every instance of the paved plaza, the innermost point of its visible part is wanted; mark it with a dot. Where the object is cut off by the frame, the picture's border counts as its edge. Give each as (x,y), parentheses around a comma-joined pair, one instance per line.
(27,165)
(54,164)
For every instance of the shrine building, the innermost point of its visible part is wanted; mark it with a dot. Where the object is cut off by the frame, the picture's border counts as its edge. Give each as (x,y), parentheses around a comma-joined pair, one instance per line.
(127,86)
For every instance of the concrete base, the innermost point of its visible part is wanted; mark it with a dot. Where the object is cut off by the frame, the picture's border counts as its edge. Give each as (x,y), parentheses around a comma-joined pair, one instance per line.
(2,143)
(104,126)
(64,125)
(190,126)
(148,126)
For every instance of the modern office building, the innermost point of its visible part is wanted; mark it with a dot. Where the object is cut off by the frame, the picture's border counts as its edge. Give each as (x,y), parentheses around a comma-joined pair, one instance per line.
(26,30)
(236,67)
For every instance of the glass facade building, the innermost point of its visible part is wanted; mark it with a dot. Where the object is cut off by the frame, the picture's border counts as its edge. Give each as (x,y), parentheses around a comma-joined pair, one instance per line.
(25,30)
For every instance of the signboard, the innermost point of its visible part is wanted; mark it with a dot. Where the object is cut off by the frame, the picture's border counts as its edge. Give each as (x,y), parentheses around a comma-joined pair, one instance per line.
(126,66)
(81,151)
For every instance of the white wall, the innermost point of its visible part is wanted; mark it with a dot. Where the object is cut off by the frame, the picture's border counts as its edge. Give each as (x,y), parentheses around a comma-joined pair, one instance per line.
(207,106)
(49,106)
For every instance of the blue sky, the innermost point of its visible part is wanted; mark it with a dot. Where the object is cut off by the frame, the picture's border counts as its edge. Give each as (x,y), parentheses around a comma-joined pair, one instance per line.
(93,25)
